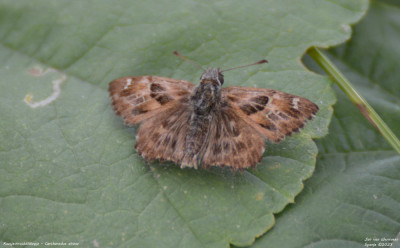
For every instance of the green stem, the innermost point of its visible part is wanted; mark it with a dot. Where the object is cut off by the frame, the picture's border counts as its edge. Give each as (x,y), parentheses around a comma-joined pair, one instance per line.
(355,97)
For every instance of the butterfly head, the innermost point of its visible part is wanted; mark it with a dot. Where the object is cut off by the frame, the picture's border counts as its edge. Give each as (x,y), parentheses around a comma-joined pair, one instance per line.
(214,75)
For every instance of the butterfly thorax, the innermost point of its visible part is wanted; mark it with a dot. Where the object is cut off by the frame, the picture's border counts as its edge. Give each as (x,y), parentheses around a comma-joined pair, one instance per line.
(206,95)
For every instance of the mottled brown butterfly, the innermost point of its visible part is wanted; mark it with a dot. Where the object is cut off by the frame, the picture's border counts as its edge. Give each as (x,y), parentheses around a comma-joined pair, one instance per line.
(206,125)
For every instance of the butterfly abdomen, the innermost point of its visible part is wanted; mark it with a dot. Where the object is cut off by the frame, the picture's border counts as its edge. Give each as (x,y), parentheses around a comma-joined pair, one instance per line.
(204,101)
(195,138)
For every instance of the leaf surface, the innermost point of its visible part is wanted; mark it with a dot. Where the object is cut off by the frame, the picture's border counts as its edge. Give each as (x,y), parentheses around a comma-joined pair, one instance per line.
(353,197)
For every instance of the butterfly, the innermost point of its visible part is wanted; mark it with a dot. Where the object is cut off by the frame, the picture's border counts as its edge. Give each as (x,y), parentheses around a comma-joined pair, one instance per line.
(206,125)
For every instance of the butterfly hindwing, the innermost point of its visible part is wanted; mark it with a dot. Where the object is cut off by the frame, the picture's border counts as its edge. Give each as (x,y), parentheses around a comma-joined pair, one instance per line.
(138,98)
(163,135)
(232,142)
(274,113)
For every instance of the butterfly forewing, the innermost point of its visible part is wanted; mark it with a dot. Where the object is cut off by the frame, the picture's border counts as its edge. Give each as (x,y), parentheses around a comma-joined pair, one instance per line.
(139,98)
(273,113)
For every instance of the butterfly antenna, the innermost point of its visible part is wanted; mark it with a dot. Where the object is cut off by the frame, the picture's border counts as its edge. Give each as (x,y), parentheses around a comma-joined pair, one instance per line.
(256,63)
(188,60)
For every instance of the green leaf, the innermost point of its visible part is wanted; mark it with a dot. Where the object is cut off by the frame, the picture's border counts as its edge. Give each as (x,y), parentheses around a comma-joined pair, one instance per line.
(354,192)
(68,171)
(347,88)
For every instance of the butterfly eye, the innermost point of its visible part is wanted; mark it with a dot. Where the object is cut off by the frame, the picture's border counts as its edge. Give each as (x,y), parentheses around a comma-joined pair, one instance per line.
(221,78)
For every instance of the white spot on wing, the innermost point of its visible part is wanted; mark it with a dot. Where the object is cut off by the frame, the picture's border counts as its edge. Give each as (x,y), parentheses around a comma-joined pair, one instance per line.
(38,72)
(295,103)
(128,83)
